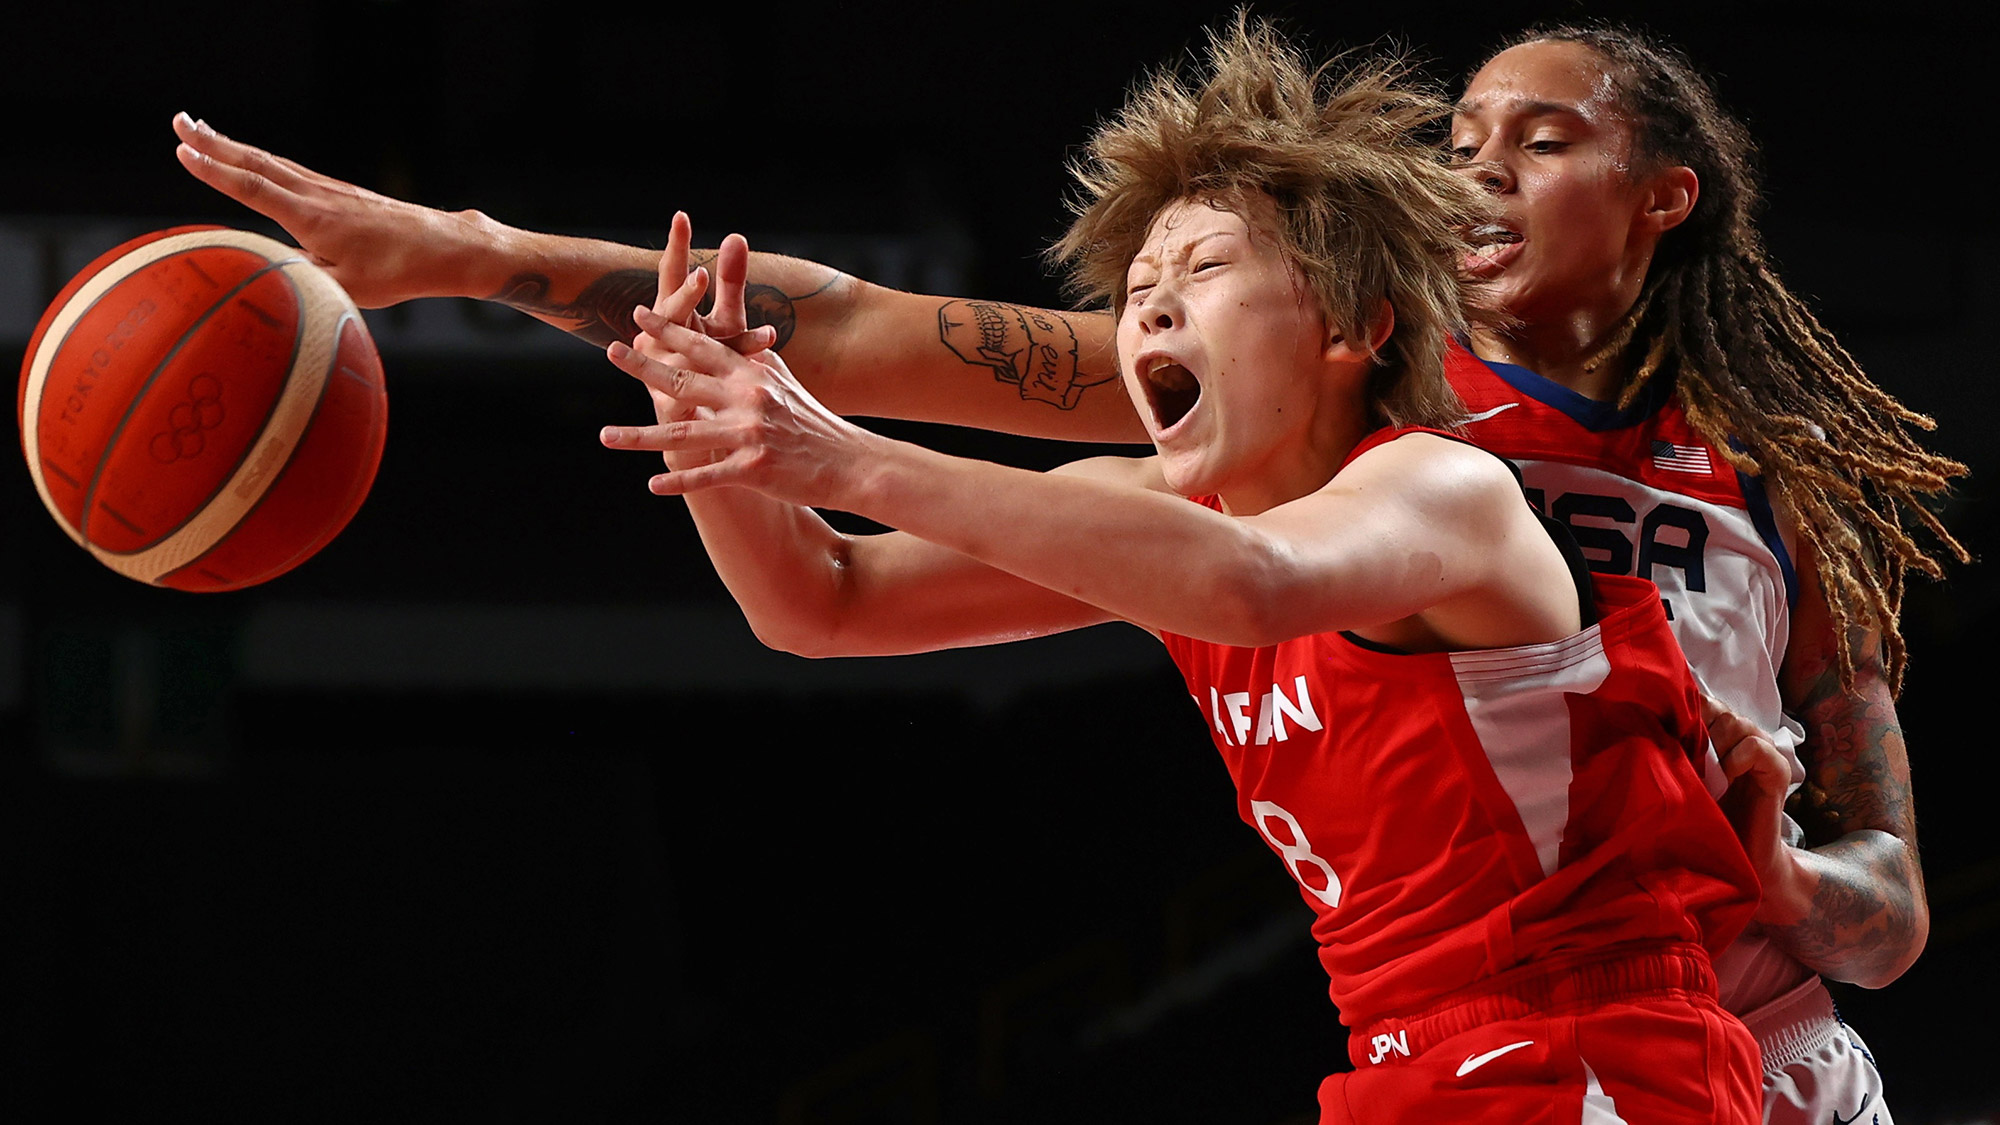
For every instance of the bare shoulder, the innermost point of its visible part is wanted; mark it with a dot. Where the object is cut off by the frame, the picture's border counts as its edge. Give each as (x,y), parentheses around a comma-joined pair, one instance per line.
(1433,472)
(1133,472)
(1482,572)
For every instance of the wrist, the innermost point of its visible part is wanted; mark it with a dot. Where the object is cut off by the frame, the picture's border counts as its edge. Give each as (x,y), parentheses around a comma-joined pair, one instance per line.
(873,476)
(478,256)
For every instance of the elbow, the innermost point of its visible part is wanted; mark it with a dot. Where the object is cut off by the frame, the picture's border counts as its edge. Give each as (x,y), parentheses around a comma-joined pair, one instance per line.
(1893,945)
(814,616)
(807,643)
(1259,626)
(813,635)
(1888,972)
(788,637)
(1897,960)
(1905,942)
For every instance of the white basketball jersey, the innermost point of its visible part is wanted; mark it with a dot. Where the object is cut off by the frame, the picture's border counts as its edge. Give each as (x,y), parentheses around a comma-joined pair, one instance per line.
(1645,495)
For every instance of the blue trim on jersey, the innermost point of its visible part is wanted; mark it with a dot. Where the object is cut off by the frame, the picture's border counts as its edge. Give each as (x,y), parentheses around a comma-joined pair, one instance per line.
(1592,415)
(1598,417)
(1758,503)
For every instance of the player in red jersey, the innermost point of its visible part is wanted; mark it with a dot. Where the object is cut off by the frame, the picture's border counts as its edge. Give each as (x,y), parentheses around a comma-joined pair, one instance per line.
(1797,551)
(1483,773)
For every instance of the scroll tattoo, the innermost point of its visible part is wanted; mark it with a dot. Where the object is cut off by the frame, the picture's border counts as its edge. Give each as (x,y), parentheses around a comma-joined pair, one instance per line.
(1030,348)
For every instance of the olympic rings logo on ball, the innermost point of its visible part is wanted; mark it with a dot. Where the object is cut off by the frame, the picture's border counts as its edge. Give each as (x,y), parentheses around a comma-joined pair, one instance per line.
(202,411)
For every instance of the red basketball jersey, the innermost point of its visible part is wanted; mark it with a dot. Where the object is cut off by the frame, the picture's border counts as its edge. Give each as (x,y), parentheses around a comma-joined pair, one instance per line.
(1450,816)
(1645,495)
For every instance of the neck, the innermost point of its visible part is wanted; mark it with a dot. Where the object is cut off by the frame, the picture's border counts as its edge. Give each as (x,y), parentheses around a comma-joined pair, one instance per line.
(1577,354)
(1301,469)
(1581,347)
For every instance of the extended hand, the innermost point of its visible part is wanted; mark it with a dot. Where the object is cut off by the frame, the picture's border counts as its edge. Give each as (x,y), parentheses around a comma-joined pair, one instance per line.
(381,250)
(681,291)
(680,294)
(759,427)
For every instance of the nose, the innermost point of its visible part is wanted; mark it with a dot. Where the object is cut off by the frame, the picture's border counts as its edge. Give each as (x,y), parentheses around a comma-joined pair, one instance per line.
(1489,170)
(1161,309)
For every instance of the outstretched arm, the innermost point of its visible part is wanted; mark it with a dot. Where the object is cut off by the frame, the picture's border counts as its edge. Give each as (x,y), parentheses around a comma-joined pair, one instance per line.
(1857,912)
(864,349)
(1420,525)
(811,590)
(804,587)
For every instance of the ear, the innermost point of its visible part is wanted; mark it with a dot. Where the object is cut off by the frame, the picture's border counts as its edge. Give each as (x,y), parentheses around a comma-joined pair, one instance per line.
(1670,199)
(1378,328)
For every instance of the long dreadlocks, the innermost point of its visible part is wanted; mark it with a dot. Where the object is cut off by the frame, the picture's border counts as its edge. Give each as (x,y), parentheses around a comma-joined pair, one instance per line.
(1757,373)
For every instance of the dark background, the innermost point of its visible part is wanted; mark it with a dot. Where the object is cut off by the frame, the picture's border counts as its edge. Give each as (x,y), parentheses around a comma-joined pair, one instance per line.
(495,809)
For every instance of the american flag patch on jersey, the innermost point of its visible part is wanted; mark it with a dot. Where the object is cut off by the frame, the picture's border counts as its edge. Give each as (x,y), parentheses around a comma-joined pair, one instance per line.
(1681,458)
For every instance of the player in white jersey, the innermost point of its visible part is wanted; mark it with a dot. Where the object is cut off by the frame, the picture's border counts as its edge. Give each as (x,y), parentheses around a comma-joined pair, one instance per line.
(1645,494)
(1641,386)
(1630,263)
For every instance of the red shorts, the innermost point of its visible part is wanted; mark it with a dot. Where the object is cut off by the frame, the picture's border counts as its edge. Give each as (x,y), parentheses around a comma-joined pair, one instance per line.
(1635,1039)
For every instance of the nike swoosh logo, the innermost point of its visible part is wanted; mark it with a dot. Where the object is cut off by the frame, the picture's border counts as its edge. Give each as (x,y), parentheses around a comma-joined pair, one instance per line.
(1839,1120)
(1474,1062)
(1485,414)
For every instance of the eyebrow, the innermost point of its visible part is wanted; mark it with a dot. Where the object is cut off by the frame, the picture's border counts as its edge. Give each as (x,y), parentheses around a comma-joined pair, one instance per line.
(1525,108)
(1153,260)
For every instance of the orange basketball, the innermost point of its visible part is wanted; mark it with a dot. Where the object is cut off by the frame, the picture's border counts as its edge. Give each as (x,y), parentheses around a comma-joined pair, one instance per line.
(202,408)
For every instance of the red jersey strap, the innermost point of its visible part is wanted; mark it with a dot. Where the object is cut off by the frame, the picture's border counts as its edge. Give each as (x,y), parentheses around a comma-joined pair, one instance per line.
(1387,434)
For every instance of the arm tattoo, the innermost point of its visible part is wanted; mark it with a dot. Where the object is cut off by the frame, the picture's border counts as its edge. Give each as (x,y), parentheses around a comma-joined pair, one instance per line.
(768,304)
(1033,349)
(603,311)
(1859,818)
(1853,782)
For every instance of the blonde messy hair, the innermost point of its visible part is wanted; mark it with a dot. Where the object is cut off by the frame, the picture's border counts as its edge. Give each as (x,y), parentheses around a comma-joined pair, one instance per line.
(1366,208)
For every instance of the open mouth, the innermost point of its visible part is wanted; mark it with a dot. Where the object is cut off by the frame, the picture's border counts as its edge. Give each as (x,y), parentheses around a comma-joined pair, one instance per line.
(1171,390)
(1493,246)
(1493,239)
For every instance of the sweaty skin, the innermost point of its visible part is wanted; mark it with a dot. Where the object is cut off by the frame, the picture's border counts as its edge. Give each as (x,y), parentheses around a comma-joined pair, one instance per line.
(1538,130)
(1422,542)
(868,351)
(1538,126)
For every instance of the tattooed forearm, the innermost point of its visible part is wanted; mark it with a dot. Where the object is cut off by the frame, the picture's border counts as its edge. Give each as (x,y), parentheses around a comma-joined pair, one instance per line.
(1867,919)
(1857,767)
(600,314)
(1865,922)
(1034,349)
(765,304)
(768,304)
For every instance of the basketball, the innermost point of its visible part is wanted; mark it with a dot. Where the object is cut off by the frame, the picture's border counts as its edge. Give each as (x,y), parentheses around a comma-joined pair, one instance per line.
(202,409)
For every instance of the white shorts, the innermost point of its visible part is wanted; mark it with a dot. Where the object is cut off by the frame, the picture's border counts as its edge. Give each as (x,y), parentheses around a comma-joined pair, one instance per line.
(1817,1071)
